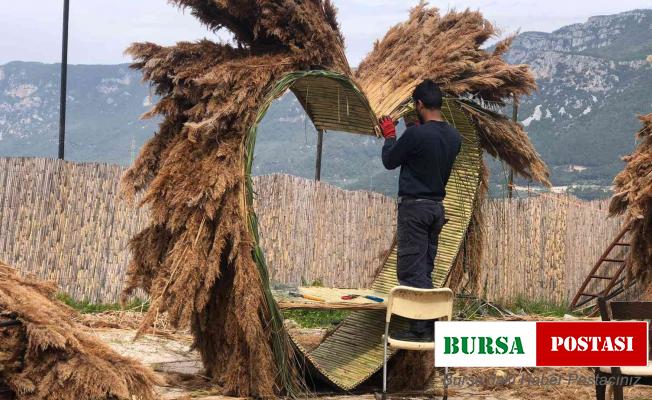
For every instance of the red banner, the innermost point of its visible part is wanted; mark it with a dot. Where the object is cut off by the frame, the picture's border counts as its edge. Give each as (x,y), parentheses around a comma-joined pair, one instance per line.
(592,344)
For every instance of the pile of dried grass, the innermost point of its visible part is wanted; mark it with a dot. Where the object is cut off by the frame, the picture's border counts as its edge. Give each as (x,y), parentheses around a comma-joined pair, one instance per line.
(195,258)
(633,187)
(447,49)
(48,356)
(508,141)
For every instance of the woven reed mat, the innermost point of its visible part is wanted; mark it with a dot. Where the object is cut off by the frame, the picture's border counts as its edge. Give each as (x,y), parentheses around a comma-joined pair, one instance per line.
(354,352)
(331,299)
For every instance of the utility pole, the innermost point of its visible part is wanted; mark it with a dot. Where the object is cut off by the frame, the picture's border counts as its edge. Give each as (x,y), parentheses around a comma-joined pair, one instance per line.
(510,180)
(320,145)
(64,80)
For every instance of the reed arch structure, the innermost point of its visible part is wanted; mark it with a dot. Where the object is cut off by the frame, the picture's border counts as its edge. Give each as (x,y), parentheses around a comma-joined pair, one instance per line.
(199,258)
(333,102)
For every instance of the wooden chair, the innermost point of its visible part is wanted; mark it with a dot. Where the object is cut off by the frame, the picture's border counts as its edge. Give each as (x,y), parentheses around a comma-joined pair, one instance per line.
(420,304)
(625,376)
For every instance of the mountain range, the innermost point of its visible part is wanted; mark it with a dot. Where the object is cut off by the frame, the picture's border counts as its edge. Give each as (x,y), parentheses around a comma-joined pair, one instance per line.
(594,78)
(104,103)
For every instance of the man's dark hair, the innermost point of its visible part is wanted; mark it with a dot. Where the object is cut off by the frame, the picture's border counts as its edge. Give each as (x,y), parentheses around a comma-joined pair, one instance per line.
(429,93)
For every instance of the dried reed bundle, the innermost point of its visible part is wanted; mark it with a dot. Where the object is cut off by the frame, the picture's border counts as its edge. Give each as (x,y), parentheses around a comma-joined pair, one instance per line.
(307,30)
(49,356)
(633,187)
(199,259)
(443,48)
(507,140)
(447,49)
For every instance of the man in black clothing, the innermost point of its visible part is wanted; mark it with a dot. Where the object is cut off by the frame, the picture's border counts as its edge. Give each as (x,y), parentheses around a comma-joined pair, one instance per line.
(425,152)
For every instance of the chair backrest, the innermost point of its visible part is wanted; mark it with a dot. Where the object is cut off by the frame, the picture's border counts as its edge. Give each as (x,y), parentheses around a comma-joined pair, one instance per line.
(625,310)
(422,304)
(628,310)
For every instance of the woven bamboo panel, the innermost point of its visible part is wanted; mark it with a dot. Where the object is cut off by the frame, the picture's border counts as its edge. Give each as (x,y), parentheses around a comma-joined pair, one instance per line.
(354,351)
(332,105)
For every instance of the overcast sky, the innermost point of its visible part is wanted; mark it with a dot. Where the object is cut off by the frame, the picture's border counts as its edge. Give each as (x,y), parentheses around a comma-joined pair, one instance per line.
(30,30)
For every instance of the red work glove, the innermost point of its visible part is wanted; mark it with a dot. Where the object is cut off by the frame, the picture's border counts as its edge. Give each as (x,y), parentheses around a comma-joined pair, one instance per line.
(387,127)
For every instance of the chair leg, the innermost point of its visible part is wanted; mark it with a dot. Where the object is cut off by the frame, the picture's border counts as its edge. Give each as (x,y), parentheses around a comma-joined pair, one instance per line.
(600,392)
(445,368)
(600,388)
(618,392)
(385,360)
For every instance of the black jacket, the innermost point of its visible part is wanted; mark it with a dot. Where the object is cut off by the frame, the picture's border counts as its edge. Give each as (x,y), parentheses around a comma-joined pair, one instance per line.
(425,154)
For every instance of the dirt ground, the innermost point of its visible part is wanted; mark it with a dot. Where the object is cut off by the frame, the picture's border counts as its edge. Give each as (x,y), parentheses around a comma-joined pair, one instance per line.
(168,353)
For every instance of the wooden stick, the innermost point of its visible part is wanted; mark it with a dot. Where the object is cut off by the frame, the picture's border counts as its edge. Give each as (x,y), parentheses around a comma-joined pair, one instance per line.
(289,305)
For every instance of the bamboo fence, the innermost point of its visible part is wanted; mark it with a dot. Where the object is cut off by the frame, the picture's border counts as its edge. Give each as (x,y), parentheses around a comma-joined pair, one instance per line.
(542,247)
(62,221)
(312,231)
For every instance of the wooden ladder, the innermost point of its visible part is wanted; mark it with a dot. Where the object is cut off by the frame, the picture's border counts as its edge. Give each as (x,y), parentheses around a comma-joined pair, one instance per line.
(604,270)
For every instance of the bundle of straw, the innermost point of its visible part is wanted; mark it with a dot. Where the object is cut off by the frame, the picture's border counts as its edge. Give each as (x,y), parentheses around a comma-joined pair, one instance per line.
(448,49)
(633,187)
(198,258)
(49,356)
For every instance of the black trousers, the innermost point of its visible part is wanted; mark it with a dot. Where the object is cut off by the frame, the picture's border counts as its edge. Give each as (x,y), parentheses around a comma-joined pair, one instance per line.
(418,227)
